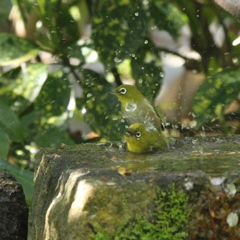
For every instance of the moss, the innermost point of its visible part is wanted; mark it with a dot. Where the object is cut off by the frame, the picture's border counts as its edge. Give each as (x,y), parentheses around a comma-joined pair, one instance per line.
(168,220)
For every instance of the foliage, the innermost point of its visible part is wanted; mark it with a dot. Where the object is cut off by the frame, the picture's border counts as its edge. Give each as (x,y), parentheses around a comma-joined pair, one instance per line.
(169,220)
(49,77)
(216,94)
(98,103)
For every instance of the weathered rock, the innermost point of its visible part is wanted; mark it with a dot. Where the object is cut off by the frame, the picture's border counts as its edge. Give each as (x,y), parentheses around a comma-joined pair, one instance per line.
(98,192)
(13,209)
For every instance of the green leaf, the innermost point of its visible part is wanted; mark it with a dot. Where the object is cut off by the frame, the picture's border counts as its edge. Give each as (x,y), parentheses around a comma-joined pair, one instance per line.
(119,27)
(80,52)
(53,137)
(28,126)
(102,110)
(15,49)
(30,81)
(9,122)
(24,177)
(54,96)
(215,95)
(8,83)
(5,8)
(147,70)
(5,144)
(166,16)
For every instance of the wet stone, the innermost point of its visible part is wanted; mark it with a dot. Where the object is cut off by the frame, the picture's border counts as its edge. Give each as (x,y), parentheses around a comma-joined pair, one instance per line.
(101,191)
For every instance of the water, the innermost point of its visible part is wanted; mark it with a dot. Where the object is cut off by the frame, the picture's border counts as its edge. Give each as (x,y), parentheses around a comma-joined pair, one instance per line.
(214,156)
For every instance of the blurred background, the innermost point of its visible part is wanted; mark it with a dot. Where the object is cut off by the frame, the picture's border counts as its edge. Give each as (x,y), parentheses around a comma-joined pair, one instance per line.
(60,58)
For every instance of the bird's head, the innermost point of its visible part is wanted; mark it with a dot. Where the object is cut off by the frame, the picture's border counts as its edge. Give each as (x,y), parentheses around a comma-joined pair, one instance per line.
(128,93)
(136,132)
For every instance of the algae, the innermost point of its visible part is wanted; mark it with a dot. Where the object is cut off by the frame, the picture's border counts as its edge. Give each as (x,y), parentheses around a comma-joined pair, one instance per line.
(168,221)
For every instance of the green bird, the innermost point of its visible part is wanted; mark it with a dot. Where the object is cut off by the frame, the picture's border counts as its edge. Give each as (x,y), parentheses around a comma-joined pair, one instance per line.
(141,140)
(136,108)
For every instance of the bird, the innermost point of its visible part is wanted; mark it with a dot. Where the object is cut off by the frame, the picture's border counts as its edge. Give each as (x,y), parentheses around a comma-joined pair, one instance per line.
(136,108)
(141,140)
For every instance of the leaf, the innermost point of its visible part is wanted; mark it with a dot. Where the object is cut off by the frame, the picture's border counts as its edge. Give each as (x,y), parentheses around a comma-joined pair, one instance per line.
(102,110)
(147,70)
(53,137)
(5,8)
(5,144)
(15,49)
(8,83)
(54,96)
(30,81)
(24,177)
(51,105)
(75,51)
(118,29)
(215,95)
(27,122)
(9,122)
(171,19)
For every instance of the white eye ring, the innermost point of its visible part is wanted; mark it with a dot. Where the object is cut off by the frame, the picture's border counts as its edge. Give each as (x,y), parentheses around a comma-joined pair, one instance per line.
(122,91)
(138,134)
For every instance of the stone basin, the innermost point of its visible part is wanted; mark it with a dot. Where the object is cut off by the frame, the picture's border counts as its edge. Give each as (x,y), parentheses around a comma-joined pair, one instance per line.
(214,156)
(101,191)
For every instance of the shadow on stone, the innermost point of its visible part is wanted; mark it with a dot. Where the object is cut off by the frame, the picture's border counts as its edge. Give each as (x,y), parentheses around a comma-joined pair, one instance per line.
(13,208)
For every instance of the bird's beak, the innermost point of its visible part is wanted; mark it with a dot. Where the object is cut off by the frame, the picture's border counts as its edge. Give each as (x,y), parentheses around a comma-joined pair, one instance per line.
(129,133)
(111,93)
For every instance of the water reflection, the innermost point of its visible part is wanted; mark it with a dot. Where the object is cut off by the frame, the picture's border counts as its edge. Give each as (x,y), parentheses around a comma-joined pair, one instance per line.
(213,156)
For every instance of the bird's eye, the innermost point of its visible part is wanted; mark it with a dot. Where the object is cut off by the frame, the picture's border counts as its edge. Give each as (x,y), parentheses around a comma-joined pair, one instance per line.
(138,134)
(122,91)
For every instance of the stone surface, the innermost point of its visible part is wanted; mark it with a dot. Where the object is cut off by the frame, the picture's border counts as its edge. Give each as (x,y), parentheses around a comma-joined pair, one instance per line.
(13,209)
(90,188)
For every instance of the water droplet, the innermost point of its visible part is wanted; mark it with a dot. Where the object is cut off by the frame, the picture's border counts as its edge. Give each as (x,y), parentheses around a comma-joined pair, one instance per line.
(153,27)
(39,24)
(203,132)
(217,180)
(230,189)
(200,149)
(188,185)
(117,60)
(145,2)
(130,107)
(133,55)
(194,141)
(140,81)
(232,219)
(146,41)
(136,13)
(163,55)
(84,110)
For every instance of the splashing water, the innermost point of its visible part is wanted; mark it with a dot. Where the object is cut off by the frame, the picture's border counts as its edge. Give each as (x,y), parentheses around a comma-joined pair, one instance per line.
(131,107)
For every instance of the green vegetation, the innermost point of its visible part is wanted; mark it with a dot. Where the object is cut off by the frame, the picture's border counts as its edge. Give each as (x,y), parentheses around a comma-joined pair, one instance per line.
(168,221)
